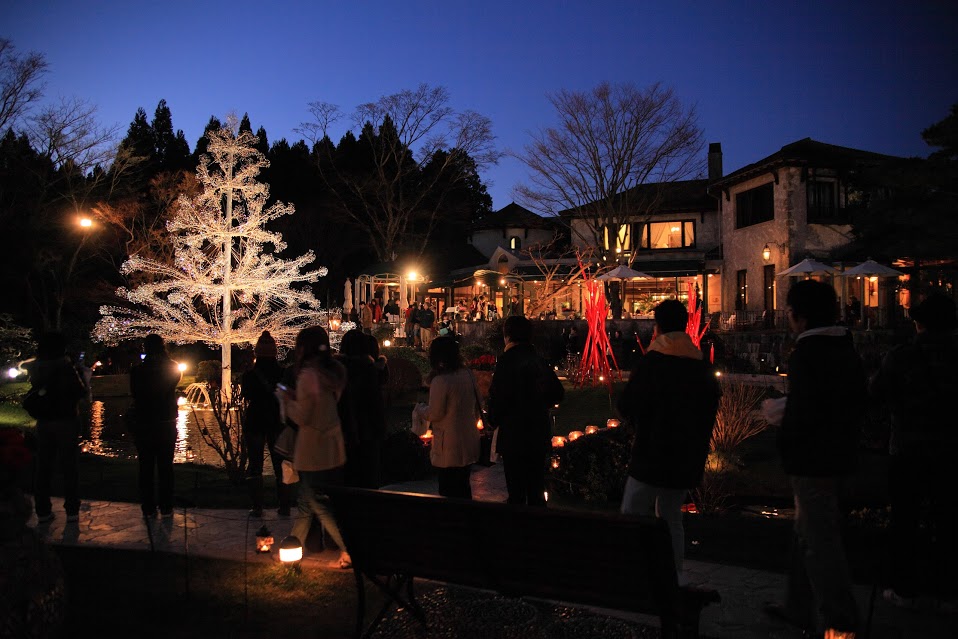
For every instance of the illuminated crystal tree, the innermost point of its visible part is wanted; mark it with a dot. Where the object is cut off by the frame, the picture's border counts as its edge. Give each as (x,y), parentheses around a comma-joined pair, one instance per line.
(225,286)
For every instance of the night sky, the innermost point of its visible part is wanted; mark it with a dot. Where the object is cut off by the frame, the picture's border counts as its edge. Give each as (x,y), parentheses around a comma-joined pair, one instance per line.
(869,75)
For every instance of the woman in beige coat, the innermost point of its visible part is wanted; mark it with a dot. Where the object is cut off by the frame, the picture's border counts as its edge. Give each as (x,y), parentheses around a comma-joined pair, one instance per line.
(453,411)
(320,453)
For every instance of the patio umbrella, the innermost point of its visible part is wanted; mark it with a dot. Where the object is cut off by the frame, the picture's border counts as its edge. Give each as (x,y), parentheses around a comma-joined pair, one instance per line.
(869,268)
(807,267)
(348,296)
(623,272)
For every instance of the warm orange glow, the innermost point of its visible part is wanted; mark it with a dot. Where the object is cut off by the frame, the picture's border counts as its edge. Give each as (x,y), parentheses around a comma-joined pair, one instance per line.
(86,222)
(591,428)
(558,442)
(427,438)
(612,423)
(574,435)
(555,462)
(334,324)
(479,425)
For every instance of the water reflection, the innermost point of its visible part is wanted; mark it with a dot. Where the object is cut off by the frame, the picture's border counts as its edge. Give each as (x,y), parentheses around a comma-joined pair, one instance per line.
(105,433)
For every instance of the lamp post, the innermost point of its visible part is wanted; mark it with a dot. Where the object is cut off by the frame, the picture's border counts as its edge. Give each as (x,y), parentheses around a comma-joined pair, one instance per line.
(86,225)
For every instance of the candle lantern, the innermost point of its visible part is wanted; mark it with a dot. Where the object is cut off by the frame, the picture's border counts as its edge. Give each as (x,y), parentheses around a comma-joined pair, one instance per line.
(591,428)
(574,435)
(426,438)
(558,441)
(291,552)
(612,423)
(264,540)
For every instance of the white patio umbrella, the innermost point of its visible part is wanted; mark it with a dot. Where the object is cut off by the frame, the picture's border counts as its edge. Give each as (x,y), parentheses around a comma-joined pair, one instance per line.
(807,267)
(623,272)
(870,268)
(348,296)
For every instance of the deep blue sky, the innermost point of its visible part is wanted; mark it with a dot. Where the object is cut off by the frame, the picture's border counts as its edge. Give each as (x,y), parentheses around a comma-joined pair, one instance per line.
(869,75)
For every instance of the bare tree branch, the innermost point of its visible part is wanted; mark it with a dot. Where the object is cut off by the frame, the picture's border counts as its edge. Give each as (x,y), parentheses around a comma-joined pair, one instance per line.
(20,82)
(608,142)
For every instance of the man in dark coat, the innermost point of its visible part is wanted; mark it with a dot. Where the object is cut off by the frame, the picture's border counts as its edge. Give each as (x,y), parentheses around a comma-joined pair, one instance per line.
(918,381)
(522,392)
(262,424)
(153,386)
(818,443)
(53,375)
(671,400)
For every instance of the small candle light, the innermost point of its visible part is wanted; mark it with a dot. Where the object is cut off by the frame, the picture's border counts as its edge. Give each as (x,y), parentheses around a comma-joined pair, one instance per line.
(612,423)
(427,437)
(387,343)
(574,435)
(264,540)
(591,428)
(479,425)
(558,441)
(555,461)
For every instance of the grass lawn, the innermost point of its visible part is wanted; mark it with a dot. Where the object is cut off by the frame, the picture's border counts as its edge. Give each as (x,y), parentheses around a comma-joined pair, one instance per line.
(115,593)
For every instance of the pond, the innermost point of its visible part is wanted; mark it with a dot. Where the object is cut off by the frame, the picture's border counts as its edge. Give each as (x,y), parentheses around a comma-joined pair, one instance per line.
(104,431)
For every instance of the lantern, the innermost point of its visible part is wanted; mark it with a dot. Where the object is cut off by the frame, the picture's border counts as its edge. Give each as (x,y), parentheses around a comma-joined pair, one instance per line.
(426,438)
(591,428)
(574,435)
(479,425)
(558,442)
(612,423)
(264,540)
(555,462)
(291,552)
(335,323)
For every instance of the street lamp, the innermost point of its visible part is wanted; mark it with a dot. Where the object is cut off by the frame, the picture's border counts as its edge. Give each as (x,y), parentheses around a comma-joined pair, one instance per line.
(766,253)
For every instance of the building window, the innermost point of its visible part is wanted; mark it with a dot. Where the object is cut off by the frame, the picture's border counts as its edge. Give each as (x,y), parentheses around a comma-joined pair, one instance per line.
(741,290)
(515,243)
(668,235)
(618,238)
(823,203)
(769,276)
(755,206)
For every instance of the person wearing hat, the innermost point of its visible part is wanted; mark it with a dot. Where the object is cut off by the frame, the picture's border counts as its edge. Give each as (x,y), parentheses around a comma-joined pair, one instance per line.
(918,382)
(262,424)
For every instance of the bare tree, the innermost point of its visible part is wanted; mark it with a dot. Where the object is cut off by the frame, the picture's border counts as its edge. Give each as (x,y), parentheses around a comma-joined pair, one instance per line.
(561,268)
(418,154)
(69,134)
(20,82)
(611,155)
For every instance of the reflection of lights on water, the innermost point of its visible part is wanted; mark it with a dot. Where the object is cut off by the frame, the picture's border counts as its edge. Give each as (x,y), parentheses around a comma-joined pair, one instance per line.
(182,451)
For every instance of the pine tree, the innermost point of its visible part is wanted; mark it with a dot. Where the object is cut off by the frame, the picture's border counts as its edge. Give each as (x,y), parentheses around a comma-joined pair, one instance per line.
(224,288)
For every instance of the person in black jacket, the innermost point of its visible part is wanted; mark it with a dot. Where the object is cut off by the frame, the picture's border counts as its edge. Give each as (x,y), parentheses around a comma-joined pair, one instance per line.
(522,392)
(262,424)
(153,386)
(917,381)
(362,411)
(58,426)
(671,399)
(818,442)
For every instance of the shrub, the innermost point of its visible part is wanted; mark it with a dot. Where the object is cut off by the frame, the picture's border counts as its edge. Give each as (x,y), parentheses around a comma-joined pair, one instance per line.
(208,372)
(418,360)
(594,467)
(384,331)
(472,352)
(737,419)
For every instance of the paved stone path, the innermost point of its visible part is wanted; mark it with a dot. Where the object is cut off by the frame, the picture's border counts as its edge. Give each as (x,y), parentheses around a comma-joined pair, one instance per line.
(229,534)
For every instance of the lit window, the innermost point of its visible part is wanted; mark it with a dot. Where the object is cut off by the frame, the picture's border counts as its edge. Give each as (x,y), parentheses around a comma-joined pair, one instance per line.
(668,235)
(618,241)
(515,243)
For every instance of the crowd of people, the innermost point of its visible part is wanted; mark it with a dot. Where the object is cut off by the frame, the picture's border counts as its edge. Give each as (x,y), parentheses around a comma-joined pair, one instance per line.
(335,403)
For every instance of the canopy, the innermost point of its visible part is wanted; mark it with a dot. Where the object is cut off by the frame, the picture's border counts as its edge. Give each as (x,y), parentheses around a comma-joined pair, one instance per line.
(808,266)
(622,272)
(871,268)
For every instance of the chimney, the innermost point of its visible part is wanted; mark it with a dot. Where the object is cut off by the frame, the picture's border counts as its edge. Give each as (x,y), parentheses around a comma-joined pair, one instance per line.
(715,161)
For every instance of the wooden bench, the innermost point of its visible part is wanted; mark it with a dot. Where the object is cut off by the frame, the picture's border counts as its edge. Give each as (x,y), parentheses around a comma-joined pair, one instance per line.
(610,561)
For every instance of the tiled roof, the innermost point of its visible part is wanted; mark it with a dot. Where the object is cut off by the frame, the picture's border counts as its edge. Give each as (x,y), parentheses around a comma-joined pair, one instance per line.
(806,152)
(513,216)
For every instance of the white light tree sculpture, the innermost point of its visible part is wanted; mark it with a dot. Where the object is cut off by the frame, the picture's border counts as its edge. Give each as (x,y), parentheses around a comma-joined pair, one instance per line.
(224,286)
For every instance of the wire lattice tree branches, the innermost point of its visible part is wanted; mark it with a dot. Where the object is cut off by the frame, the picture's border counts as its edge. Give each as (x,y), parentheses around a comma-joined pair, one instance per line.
(226,283)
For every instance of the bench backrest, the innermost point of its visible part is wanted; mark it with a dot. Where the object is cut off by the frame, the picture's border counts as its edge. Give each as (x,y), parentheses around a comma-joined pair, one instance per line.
(615,561)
